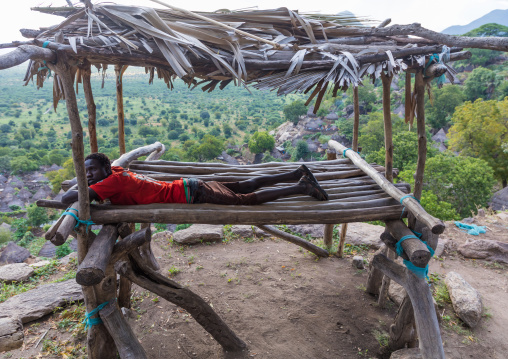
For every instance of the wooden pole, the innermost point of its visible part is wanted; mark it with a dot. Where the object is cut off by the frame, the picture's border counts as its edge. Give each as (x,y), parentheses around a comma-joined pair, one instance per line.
(295,240)
(436,225)
(98,341)
(342,239)
(328,235)
(407,98)
(422,138)
(119,70)
(387,119)
(356,123)
(86,72)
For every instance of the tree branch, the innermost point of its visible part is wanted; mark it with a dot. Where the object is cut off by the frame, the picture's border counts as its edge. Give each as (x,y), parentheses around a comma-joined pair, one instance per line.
(24,53)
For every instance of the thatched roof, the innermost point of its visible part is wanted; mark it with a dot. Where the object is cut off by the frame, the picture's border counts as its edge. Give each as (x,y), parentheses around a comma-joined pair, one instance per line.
(273,49)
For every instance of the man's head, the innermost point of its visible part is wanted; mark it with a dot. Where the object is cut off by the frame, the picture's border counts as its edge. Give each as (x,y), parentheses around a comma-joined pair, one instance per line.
(97,167)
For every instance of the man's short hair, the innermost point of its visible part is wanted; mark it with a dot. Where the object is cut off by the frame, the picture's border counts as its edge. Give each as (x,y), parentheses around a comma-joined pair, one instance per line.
(102,159)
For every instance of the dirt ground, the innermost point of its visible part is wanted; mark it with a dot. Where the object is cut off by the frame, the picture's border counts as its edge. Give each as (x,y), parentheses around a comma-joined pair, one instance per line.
(285,303)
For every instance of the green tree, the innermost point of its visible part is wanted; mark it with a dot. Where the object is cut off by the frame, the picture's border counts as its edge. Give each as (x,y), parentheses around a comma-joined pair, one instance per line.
(372,134)
(479,130)
(481,83)
(23,164)
(482,57)
(366,96)
(261,142)
(439,112)
(57,177)
(37,216)
(293,111)
(209,148)
(465,182)
(301,150)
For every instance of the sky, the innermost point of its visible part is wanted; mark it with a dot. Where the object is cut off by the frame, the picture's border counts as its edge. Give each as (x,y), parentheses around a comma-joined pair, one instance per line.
(432,14)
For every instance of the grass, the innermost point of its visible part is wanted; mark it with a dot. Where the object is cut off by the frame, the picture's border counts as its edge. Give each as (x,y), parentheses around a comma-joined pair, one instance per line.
(173,271)
(441,294)
(382,337)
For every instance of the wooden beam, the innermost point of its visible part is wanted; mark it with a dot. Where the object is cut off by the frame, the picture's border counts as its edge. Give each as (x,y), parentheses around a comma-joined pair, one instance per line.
(407,98)
(86,72)
(328,234)
(119,70)
(24,53)
(295,240)
(422,136)
(356,121)
(387,119)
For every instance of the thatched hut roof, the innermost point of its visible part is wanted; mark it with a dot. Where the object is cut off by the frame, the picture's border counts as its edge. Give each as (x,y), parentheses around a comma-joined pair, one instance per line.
(273,49)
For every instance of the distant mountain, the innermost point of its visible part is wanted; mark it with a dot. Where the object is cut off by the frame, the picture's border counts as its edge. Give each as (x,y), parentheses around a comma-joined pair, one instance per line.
(495,16)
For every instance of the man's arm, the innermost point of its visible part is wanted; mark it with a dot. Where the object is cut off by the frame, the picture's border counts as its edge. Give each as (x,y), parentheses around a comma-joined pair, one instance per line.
(71,196)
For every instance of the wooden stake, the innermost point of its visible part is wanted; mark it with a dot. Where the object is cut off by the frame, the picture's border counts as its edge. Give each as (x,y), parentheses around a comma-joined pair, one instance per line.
(328,235)
(407,98)
(422,137)
(356,123)
(342,240)
(387,119)
(119,70)
(86,72)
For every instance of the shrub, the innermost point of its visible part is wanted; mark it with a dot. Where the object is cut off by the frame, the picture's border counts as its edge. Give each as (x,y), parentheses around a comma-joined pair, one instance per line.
(5,236)
(63,250)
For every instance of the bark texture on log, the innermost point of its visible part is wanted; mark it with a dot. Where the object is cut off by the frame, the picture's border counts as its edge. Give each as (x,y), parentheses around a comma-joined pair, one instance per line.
(417,252)
(90,105)
(126,158)
(119,70)
(387,119)
(24,53)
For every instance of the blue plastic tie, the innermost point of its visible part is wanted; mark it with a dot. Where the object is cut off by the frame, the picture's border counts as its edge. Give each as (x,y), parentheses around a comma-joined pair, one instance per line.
(471,228)
(418,271)
(89,321)
(78,221)
(344,152)
(44,45)
(404,207)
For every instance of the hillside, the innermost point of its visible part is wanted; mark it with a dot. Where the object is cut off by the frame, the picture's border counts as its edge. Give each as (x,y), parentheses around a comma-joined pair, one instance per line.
(495,16)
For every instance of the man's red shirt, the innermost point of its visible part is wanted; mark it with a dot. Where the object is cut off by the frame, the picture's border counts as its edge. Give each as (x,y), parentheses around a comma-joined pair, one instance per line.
(124,187)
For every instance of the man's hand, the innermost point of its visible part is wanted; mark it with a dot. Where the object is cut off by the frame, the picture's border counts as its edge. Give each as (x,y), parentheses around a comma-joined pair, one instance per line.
(71,196)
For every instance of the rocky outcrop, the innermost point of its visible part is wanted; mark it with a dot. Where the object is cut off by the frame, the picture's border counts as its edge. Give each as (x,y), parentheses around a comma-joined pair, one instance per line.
(11,334)
(466,301)
(16,272)
(485,249)
(13,254)
(198,233)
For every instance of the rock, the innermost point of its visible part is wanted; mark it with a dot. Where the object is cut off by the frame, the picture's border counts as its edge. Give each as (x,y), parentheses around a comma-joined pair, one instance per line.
(396,292)
(24,195)
(198,233)
(3,179)
(42,193)
(364,234)
(260,233)
(468,220)
(40,264)
(5,226)
(66,260)
(481,212)
(242,231)
(313,230)
(16,202)
(13,254)
(42,300)
(499,201)
(164,235)
(16,272)
(409,353)
(11,334)
(442,244)
(73,245)
(358,262)
(48,250)
(485,249)
(466,301)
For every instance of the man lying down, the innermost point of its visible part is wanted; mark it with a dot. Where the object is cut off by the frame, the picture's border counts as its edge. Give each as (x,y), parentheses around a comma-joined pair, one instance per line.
(123,187)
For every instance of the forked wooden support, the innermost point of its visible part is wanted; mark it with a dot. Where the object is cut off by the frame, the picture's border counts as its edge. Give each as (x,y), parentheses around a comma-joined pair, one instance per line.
(140,273)
(431,345)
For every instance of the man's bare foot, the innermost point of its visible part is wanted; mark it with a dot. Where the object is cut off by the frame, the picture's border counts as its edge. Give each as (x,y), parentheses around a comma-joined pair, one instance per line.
(304,171)
(313,189)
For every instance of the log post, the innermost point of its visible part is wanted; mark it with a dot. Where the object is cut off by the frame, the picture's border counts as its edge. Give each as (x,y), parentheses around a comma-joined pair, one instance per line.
(93,268)
(183,297)
(431,345)
(402,330)
(98,341)
(375,277)
(60,231)
(417,252)
(342,239)
(385,284)
(387,118)
(86,72)
(295,240)
(126,342)
(328,235)
(119,70)
(407,98)
(146,251)
(356,123)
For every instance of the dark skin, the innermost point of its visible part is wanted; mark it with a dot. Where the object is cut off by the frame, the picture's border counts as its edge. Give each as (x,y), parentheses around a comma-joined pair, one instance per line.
(94,173)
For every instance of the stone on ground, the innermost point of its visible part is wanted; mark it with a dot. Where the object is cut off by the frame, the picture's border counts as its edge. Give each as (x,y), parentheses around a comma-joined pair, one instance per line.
(40,264)
(358,262)
(13,254)
(165,235)
(242,230)
(65,260)
(466,301)
(41,301)
(48,250)
(15,272)
(485,249)
(408,353)
(313,230)
(11,334)
(260,233)
(364,234)
(396,292)
(198,233)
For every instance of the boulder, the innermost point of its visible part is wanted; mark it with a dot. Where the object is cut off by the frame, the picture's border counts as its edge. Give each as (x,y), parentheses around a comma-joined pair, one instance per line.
(364,234)
(66,260)
(485,249)
(466,301)
(260,233)
(16,272)
(396,292)
(499,201)
(164,235)
(198,233)
(442,245)
(408,353)
(5,226)
(313,230)
(40,264)
(41,301)
(48,250)
(242,231)
(358,262)
(11,334)
(13,254)
(3,179)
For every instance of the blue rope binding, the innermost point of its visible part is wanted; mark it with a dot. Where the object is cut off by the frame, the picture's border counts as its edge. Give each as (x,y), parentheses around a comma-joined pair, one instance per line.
(404,207)
(89,321)
(418,271)
(44,45)
(78,221)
